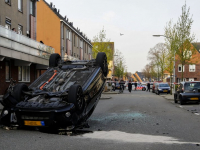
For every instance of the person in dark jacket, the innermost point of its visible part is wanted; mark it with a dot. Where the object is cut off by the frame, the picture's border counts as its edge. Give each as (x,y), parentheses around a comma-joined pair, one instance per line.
(130,86)
(135,85)
(148,87)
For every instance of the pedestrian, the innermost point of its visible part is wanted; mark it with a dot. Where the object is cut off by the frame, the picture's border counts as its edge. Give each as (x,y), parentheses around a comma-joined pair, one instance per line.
(113,86)
(135,85)
(121,83)
(130,86)
(148,87)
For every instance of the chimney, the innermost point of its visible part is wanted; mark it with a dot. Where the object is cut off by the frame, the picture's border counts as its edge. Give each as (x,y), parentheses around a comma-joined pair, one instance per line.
(51,4)
(58,10)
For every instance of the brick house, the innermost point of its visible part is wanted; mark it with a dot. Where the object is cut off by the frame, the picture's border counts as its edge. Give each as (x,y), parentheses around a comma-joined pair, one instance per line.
(191,71)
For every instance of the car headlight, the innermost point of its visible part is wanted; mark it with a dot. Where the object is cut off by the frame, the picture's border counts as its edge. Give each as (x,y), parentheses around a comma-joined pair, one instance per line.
(5,112)
(159,89)
(67,114)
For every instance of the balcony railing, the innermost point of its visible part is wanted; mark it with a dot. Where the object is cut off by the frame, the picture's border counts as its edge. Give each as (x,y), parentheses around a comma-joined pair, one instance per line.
(11,40)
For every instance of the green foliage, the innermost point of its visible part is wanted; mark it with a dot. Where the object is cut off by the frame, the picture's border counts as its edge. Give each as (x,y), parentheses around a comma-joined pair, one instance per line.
(119,63)
(184,37)
(101,44)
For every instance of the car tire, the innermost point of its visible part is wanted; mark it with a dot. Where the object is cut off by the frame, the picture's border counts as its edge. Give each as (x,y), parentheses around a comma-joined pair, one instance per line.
(54,60)
(75,96)
(181,100)
(175,99)
(18,91)
(101,60)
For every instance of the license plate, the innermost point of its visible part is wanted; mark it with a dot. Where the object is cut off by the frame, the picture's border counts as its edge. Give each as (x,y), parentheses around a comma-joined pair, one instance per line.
(34,123)
(165,90)
(195,98)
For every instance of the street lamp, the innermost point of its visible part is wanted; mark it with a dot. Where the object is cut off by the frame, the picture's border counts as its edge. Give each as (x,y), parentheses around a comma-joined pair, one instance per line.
(174,57)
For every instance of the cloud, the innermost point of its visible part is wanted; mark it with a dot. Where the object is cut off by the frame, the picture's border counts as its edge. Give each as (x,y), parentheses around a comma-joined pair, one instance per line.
(108,16)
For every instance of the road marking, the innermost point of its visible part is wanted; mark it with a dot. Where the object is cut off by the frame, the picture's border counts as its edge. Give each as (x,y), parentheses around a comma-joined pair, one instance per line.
(196,113)
(120,136)
(180,106)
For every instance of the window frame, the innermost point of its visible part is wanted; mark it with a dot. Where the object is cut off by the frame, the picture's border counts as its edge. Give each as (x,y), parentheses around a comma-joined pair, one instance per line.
(32,8)
(27,74)
(8,2)
(192,68)
(8,23)
(20,3)
(181,68)
(20,30)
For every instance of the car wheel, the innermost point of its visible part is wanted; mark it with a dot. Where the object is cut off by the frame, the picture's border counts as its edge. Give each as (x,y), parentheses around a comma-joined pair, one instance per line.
(54,60)
(101,60)
(181,100)
(75,96)
(18,91)
(175,101)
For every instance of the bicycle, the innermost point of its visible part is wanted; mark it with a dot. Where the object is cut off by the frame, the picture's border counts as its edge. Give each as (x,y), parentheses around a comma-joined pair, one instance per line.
(11,86)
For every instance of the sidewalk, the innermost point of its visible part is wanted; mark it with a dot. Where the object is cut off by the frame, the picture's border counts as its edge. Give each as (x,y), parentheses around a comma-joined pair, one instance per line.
(168,96)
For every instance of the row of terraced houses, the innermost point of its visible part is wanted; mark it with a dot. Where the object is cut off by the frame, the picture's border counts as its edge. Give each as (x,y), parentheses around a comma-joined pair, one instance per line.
(30,30)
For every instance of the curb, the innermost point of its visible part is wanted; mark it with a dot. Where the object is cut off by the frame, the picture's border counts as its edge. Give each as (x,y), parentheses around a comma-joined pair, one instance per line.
(110,93)
(105,98)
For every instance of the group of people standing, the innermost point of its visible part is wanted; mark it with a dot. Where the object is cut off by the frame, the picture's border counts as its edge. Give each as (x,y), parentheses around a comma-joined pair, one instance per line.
(130,86)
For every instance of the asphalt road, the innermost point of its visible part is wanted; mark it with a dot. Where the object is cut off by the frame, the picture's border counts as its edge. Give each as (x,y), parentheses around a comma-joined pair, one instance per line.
(139,121)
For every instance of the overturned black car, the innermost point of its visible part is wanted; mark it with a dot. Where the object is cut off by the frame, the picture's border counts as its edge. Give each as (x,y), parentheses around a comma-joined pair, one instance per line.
(64,96)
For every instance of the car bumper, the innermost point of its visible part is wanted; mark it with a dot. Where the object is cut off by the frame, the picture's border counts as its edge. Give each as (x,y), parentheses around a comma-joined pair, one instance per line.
(195,97)
(164,91)
(59,117)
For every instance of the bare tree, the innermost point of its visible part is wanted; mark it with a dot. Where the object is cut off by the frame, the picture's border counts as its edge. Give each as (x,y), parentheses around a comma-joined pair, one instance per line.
(157,56)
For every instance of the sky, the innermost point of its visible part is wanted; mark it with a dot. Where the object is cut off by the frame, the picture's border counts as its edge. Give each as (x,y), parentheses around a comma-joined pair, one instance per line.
(138,20)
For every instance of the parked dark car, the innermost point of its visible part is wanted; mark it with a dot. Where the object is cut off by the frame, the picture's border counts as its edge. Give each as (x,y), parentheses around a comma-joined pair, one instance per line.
(162,88)
(153,87)
(187,92)
(64,96)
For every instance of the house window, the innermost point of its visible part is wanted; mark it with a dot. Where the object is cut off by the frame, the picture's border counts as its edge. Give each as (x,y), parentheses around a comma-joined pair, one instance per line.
(20,29)
(192,68)
(180,68)
(77,41)
(20,5)
(32,12)
(20,73)
(24,73)
(7,70)
(74,41)
(8,1)
(67,34)
(191,79)
(70,36)
(8,23)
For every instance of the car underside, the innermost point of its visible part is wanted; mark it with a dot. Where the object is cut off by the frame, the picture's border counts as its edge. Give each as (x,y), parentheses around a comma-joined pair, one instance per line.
(64,96)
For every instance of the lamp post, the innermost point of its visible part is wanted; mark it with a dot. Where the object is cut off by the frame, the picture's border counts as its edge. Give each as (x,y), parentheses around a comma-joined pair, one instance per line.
(174,58)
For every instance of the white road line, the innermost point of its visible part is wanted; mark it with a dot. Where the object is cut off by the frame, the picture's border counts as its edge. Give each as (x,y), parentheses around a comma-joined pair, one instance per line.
(197,114)
(180,106)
